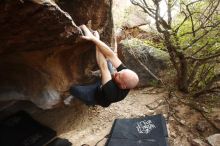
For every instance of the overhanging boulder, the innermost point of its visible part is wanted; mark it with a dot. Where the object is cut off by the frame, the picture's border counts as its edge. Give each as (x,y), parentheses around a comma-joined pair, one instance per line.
(41,53)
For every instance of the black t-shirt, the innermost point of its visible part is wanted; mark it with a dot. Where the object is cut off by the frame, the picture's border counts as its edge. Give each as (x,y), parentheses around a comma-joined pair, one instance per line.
(110,92)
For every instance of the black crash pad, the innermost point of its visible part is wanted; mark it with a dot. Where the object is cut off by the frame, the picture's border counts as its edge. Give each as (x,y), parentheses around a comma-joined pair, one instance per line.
(21,129)
(145,131)
(60,142)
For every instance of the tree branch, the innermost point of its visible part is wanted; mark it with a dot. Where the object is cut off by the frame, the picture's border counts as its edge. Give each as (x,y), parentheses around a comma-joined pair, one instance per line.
(201,48)
(206,91)
(217,54)
(203,24)
(193,72)
(169,6)
(184,20)
(153,11)
(145,9)
(197,39)
(201,76)
(212,12)
(174,3)
(157,16)
(193,2)
(191,19)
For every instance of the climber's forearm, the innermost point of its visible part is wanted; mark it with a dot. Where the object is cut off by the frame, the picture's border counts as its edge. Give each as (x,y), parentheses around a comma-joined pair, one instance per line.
(115,46)
(102,63)
(107,52)
(105,49)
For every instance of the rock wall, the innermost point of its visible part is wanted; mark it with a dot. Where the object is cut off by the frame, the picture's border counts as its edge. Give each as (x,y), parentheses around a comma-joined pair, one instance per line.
(41,53)
(145,60)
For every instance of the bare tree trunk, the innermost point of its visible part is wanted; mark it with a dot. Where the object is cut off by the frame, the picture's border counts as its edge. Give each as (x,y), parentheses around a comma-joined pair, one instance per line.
(182,81)
(179,62)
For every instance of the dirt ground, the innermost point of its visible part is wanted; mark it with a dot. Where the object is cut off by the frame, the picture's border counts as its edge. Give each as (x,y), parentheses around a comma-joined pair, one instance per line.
(81,124)
(87,125)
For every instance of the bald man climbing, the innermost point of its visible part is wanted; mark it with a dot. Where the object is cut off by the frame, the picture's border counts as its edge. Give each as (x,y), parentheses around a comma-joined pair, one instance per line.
(111,88)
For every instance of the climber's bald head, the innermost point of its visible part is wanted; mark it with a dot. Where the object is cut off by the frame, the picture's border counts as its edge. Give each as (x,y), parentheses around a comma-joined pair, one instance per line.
(126,79)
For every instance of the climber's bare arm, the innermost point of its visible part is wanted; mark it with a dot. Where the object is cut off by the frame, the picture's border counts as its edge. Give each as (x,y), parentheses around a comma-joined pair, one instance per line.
(103,48)
(115,46)
(102,63)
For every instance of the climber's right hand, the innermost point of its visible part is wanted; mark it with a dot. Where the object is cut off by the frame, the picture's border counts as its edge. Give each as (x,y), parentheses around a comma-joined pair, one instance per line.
(96,34)
(87,33)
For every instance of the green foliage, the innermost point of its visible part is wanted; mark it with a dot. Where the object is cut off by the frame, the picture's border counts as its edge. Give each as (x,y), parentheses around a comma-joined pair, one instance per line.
(158,45)
(199,9)
(185,36)
(133,43)
(154,83)
(193,40)
(204,74)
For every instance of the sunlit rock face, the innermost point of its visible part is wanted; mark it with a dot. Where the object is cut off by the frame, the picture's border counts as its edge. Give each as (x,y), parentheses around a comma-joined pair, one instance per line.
(41,53)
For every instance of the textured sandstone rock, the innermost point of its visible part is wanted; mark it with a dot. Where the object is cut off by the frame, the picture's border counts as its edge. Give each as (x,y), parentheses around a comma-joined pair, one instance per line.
(146,61)
(198,142)
(41,53)
(214,140)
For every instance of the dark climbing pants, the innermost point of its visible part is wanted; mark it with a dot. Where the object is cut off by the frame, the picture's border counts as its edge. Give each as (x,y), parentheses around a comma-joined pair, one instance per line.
(86,93)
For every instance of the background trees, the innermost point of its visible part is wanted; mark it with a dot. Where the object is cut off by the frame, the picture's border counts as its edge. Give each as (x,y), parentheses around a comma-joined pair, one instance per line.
(190,31)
